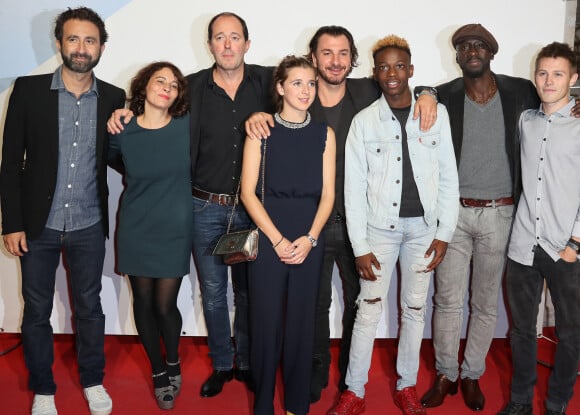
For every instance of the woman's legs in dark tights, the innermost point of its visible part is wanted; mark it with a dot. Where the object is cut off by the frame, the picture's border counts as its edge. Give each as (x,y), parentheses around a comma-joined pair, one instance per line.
(156,313)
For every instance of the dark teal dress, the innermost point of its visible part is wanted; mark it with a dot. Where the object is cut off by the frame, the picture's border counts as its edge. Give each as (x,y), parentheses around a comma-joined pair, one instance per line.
(155,214)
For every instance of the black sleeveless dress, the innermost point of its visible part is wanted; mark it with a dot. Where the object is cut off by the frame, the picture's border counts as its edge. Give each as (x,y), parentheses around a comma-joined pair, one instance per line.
(283,297)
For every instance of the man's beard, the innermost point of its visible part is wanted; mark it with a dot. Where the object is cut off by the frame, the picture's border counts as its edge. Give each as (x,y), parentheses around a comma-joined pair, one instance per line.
(79,67)
(475,73)
(333,81)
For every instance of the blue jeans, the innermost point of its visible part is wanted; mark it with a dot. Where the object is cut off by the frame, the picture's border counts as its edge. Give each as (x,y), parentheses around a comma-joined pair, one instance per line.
(209,223)
(524,289)
(481,237)
(84,253)
(408,244)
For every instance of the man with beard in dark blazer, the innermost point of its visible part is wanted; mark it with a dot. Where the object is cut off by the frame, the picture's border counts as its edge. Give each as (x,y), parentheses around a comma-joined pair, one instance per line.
(53,188)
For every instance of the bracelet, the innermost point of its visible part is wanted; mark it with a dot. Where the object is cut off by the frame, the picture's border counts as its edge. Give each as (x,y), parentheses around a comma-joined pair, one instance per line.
(278,243)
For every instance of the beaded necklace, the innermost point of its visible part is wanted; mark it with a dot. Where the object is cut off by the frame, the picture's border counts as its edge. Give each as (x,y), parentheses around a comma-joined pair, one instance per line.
(293,125)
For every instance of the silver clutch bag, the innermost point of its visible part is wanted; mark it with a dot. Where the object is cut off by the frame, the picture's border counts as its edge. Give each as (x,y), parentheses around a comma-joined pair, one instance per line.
(241,246)
(236,247)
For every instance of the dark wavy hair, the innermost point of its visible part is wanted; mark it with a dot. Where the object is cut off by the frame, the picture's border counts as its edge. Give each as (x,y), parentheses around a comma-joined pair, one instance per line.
(230,14)
(80,13)
(137,90)
(558,50)
(281,74)
(334,31)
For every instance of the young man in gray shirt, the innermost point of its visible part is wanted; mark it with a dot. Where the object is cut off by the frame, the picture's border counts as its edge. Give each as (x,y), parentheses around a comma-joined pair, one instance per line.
(545,239)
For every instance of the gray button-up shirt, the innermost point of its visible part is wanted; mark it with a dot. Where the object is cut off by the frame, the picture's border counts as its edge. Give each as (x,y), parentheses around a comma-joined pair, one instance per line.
(75,203)
(548,210)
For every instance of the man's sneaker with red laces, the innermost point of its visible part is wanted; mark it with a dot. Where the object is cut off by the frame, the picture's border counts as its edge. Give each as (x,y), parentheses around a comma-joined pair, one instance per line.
(407,400)
(348,404)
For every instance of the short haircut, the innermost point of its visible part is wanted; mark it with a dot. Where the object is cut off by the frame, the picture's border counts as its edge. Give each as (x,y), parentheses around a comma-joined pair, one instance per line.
(334,31)
(138,89)
(80,13)
(558,50)
(225,14)
(391,41)
(281,74)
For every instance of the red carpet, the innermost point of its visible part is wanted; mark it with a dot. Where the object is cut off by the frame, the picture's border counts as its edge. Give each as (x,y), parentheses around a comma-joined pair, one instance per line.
(128,381)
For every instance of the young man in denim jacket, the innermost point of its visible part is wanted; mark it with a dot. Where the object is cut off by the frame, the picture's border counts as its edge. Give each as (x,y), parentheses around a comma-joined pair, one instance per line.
(401,192)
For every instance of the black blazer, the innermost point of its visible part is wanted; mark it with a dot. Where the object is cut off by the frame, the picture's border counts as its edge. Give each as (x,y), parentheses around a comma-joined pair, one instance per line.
(30,153)
(516,94)
(360,93)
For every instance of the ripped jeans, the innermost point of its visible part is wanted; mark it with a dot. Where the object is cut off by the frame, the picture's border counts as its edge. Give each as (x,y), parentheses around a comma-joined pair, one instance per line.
(407,243)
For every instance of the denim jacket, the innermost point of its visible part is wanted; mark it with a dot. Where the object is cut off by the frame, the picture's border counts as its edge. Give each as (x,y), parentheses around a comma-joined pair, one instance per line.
(373,173)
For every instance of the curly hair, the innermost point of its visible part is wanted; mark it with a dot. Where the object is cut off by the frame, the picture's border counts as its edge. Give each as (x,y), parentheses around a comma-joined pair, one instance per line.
(391,41)
(281,74)
(80,13)
(138,89)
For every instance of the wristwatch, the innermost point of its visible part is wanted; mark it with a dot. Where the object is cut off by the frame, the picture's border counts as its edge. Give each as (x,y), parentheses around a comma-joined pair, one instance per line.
(420,90)
(575,245)
(313,241)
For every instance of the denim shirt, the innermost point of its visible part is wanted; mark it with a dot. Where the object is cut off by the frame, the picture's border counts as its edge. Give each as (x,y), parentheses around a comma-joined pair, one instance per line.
(373,173)
(75,202)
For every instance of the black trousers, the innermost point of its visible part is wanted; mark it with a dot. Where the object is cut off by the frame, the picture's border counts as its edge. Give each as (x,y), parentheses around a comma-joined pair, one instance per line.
(282,302)
(524,288)
(337,249)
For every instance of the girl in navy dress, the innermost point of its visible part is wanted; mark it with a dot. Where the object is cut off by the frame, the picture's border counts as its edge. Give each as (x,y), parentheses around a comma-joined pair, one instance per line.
(298,198)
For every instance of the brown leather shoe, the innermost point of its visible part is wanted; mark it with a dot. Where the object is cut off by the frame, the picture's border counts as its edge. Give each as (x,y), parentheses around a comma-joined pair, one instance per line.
(472,395)
(442,387)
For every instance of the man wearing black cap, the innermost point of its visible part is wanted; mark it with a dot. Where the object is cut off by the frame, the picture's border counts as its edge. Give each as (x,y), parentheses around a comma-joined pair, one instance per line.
(484,108)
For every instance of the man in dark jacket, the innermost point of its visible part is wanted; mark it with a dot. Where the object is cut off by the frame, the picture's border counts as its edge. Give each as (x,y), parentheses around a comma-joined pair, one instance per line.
(483,109)
(53,186)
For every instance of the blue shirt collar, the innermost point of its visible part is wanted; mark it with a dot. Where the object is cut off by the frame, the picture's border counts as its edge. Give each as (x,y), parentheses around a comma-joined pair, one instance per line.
(58,84)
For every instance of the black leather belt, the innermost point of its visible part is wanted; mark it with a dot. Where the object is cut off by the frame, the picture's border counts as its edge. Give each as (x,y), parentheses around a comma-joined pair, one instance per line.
(504,201)
(222,199)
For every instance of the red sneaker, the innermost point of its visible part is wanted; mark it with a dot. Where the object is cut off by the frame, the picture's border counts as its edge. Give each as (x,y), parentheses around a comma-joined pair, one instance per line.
(407,400)
(348,404)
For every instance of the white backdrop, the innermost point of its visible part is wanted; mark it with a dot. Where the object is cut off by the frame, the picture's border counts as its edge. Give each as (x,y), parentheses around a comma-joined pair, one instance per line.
(142,31)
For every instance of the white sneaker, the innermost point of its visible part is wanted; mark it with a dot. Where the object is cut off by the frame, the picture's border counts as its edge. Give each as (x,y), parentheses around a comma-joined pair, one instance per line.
(43,405)
(100,402)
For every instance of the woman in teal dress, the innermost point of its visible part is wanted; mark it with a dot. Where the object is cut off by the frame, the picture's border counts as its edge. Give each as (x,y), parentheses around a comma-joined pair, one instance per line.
(154,224)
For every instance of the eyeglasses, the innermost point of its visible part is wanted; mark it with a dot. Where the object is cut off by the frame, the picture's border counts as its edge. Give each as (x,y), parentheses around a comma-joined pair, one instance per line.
(467,46)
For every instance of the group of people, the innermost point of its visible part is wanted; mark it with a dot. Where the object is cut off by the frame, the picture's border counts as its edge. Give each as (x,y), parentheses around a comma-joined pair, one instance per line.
(363,173)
